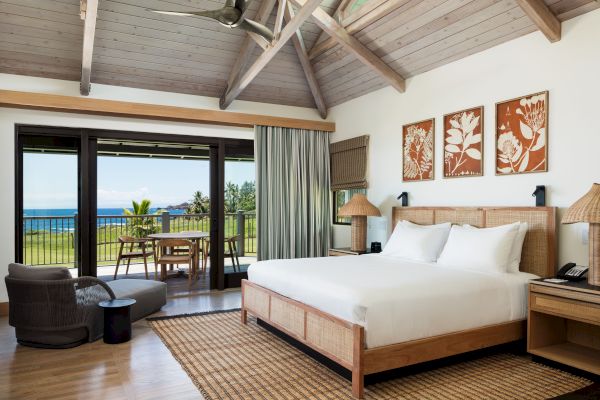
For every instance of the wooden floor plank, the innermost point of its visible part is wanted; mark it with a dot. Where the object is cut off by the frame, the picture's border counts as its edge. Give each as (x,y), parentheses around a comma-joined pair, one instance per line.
(140,369)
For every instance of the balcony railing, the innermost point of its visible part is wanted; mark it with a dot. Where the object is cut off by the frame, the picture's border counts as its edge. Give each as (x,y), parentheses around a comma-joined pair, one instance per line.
(50,240)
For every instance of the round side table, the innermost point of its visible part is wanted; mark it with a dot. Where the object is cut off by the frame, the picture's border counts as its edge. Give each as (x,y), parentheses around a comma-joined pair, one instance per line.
(117,320)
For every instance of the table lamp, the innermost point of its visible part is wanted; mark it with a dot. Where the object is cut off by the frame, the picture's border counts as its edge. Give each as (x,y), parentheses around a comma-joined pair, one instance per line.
(359,208)
(587,209)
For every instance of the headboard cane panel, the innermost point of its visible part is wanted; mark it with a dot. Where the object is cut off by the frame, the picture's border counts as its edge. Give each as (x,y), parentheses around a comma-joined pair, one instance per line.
(539,250)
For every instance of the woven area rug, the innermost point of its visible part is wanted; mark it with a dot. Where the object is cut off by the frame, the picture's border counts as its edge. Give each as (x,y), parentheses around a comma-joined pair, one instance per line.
(228,360)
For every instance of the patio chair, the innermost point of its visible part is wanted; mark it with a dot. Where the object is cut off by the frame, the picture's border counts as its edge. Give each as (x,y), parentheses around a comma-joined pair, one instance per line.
(130,253)
(50,309)
(165,255)
(230,251)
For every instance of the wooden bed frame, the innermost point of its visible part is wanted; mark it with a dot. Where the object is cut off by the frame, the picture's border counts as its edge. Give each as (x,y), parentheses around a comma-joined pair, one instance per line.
(344,342)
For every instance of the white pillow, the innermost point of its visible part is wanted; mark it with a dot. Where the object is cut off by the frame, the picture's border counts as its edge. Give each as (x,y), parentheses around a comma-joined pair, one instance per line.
(417,242)
(517,247)
(485,250)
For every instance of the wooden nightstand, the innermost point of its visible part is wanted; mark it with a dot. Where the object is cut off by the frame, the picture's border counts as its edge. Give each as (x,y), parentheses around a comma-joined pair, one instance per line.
(345,251)
(564,323)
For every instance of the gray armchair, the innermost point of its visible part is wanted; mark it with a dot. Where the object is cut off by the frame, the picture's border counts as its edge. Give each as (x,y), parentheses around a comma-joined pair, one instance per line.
(50,309)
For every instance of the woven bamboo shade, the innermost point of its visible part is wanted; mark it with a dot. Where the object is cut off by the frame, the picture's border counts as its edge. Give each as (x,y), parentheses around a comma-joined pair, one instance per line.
(349,163)
(359,205)
(586,209)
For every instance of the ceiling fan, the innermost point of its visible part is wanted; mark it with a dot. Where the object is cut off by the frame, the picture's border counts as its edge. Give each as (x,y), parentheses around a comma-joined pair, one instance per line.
(232,15)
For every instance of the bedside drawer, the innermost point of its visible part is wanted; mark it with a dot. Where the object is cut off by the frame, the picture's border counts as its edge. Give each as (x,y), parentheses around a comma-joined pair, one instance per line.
(565,308)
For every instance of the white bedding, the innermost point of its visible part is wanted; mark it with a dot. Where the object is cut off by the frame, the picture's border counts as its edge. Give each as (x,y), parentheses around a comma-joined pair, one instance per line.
(397,300)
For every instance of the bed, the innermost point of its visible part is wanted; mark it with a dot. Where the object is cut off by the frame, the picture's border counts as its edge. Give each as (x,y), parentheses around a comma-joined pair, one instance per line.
(374,313)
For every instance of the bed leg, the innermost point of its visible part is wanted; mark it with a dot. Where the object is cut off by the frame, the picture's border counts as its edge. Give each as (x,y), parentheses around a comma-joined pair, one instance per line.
(358,385)
(244,317)
(358,377)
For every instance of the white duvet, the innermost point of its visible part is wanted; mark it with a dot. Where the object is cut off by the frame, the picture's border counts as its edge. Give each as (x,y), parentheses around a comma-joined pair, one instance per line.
(397,300)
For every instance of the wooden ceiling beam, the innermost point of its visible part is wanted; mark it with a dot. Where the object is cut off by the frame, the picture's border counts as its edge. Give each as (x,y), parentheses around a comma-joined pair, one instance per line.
(357,21)
(262,15)
(287,32)
(543,17)
(311,78)
(352,45)
(281,6)
(337,15)
(126,109)
(89,11)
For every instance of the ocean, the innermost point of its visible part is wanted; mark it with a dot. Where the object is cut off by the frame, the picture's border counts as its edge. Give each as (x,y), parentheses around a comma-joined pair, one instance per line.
(61,219)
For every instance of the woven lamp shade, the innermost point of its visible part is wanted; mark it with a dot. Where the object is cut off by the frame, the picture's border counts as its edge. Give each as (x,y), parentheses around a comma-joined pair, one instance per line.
(587,209)
(359,208)
(359,205)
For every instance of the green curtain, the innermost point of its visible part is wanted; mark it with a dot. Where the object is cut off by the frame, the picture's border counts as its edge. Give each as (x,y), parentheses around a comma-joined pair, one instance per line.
(292,192)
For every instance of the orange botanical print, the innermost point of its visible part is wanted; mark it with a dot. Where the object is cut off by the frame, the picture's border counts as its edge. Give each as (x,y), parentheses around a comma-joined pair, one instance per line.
(463,143)
(521,135)
(417,150)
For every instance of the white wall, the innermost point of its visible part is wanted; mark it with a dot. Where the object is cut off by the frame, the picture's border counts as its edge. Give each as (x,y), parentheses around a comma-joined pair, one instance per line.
(568,69)
(10,117)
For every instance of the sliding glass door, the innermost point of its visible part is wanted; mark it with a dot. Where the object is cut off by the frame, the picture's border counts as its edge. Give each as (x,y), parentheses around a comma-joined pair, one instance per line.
(76,188)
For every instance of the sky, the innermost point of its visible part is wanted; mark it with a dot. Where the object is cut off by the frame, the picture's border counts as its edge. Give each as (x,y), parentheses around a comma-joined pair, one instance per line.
(50,180)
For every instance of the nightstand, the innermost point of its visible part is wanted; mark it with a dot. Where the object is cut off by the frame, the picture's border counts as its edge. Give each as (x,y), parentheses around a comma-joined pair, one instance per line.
(564,323)
(345,251)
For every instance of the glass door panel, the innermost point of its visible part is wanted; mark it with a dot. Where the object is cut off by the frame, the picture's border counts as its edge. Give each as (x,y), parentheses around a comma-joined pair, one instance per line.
(49,214)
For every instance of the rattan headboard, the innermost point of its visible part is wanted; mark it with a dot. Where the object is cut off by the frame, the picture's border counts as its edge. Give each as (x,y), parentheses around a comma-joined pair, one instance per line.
(539,249)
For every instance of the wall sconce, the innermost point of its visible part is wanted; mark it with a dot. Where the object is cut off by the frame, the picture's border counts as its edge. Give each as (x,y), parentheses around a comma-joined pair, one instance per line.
(540,196)
(404,197)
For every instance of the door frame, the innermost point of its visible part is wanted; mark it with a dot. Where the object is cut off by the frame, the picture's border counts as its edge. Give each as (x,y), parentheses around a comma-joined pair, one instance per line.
(220,148)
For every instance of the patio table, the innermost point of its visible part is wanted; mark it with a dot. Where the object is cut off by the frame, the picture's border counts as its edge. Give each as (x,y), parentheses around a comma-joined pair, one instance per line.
(195,236)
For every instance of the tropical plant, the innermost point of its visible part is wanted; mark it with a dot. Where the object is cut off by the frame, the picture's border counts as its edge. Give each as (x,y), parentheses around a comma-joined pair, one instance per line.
(248,196)
(200,204)
(232,197)
(461,141)
(142,224)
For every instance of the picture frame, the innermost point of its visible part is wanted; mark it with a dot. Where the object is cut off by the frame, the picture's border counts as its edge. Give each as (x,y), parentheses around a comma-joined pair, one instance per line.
(463,143)
(418,151)
(522,134)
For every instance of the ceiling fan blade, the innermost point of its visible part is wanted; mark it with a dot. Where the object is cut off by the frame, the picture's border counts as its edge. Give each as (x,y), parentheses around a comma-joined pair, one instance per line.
(208,13)
(253,26)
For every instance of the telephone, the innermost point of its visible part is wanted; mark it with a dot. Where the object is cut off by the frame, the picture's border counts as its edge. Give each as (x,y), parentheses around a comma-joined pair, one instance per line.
(572,272)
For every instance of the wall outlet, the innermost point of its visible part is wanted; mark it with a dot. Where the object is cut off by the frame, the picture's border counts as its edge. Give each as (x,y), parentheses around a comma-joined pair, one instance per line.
(585,234)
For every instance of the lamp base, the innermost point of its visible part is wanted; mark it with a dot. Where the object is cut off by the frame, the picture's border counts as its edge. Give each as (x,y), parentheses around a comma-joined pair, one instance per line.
(359,233)
(594,244)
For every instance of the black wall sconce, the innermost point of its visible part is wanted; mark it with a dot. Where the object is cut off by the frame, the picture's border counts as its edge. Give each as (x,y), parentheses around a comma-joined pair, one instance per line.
(540,196)
(404,197)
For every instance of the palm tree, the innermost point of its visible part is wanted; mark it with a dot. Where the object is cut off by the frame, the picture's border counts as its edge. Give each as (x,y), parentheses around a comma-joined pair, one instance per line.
(142,225)
(200,204)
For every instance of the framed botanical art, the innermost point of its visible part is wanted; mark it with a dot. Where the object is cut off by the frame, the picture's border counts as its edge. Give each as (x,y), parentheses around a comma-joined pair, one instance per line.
(463,143)
(522,135)
(418,151)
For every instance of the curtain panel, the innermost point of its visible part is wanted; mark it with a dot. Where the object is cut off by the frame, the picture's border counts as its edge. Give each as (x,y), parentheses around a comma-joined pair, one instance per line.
(293,202)
(349,163)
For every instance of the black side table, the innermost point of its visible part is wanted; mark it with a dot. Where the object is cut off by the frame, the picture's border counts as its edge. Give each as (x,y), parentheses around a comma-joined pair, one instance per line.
(117,320)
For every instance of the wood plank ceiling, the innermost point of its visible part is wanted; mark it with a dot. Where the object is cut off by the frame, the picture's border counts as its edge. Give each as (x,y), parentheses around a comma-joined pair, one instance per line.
(136,48)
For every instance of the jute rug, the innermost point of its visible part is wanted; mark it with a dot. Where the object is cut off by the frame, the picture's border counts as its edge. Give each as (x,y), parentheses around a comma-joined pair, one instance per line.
(227,360)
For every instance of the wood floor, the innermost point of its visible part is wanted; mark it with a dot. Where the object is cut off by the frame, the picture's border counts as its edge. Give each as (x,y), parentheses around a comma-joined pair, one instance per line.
(140,369)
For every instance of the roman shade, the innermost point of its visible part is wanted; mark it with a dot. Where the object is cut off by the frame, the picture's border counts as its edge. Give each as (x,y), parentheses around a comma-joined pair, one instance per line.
(349,163)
